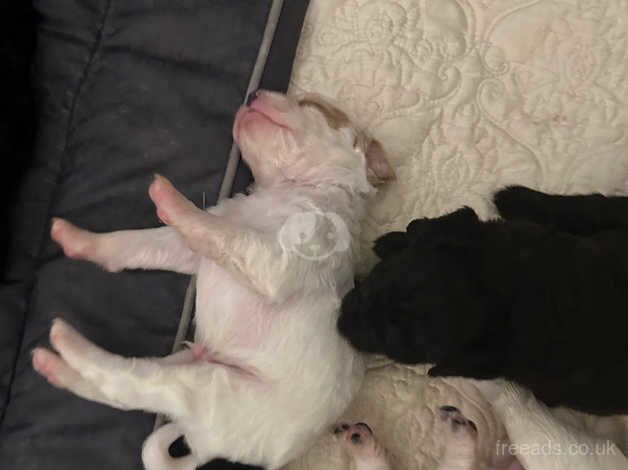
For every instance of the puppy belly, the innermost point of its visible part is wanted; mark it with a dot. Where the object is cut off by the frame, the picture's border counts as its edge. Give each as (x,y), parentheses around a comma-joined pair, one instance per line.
(229,315)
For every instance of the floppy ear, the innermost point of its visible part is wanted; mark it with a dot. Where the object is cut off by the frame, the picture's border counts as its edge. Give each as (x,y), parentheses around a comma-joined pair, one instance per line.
(457,234)
(378,168)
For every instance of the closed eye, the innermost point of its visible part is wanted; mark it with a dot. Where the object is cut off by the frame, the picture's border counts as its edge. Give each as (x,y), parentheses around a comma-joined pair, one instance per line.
(335,118)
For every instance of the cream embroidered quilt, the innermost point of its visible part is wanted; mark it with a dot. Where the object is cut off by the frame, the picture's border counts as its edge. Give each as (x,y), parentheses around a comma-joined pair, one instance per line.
(467,96)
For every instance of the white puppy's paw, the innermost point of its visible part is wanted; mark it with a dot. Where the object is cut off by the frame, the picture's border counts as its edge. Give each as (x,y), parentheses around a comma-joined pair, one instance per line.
(66,340)
(81,244)
(362,445)
(75,242)
(172,206)
(80,354)
(50,366)
(61,375)
(458,424)
(461,440)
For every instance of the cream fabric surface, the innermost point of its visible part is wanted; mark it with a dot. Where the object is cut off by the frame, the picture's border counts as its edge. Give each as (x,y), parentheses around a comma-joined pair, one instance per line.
(467,96)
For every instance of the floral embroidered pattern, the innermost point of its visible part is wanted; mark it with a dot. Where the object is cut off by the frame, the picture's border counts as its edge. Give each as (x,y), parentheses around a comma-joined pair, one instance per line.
(467,96)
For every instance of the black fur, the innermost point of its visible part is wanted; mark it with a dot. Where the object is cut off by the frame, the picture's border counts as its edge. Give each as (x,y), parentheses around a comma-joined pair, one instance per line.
(540,298)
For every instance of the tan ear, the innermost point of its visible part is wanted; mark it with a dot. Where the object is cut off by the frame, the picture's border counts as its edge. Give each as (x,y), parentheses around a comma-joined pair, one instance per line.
(378,169)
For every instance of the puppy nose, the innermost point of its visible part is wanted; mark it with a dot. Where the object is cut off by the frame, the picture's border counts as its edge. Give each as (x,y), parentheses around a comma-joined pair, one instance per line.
(252,97)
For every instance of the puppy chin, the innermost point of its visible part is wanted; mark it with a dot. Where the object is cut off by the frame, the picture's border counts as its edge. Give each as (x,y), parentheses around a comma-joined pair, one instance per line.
(252,128)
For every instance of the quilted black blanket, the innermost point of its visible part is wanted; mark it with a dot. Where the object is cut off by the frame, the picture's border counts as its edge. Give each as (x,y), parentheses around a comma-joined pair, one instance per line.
(120,90)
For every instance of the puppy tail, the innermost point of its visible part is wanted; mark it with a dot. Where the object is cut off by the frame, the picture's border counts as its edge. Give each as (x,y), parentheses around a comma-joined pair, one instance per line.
(155,453)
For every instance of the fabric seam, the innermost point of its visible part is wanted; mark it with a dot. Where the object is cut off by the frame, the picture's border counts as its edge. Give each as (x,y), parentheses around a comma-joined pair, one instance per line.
(62,161)
(83,79)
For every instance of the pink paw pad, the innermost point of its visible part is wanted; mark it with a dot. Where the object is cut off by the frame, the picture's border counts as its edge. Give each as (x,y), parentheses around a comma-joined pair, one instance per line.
(46,364)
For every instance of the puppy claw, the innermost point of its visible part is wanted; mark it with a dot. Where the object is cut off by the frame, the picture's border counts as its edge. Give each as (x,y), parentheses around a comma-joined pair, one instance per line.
(458,422)
(362,445)
(456,419)
(445,412)
(364,425)
(340,428)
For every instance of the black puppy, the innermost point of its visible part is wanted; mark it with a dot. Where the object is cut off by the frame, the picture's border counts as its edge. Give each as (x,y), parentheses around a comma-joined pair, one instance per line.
(540,298)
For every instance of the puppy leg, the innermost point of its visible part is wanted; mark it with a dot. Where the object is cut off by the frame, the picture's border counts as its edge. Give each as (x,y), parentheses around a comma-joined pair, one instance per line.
(156,385)
(461,447)
(159,248)
(530,425)
(254,258)
(582,215)
(360,442)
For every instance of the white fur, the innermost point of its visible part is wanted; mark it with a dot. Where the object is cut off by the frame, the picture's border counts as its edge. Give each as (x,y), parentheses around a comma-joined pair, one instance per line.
(268,372)
(546,439)
(367,453)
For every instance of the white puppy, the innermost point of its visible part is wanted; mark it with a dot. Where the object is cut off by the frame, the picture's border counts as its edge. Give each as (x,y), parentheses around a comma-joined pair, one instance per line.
(360,442)
(267,372)
(540,438)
